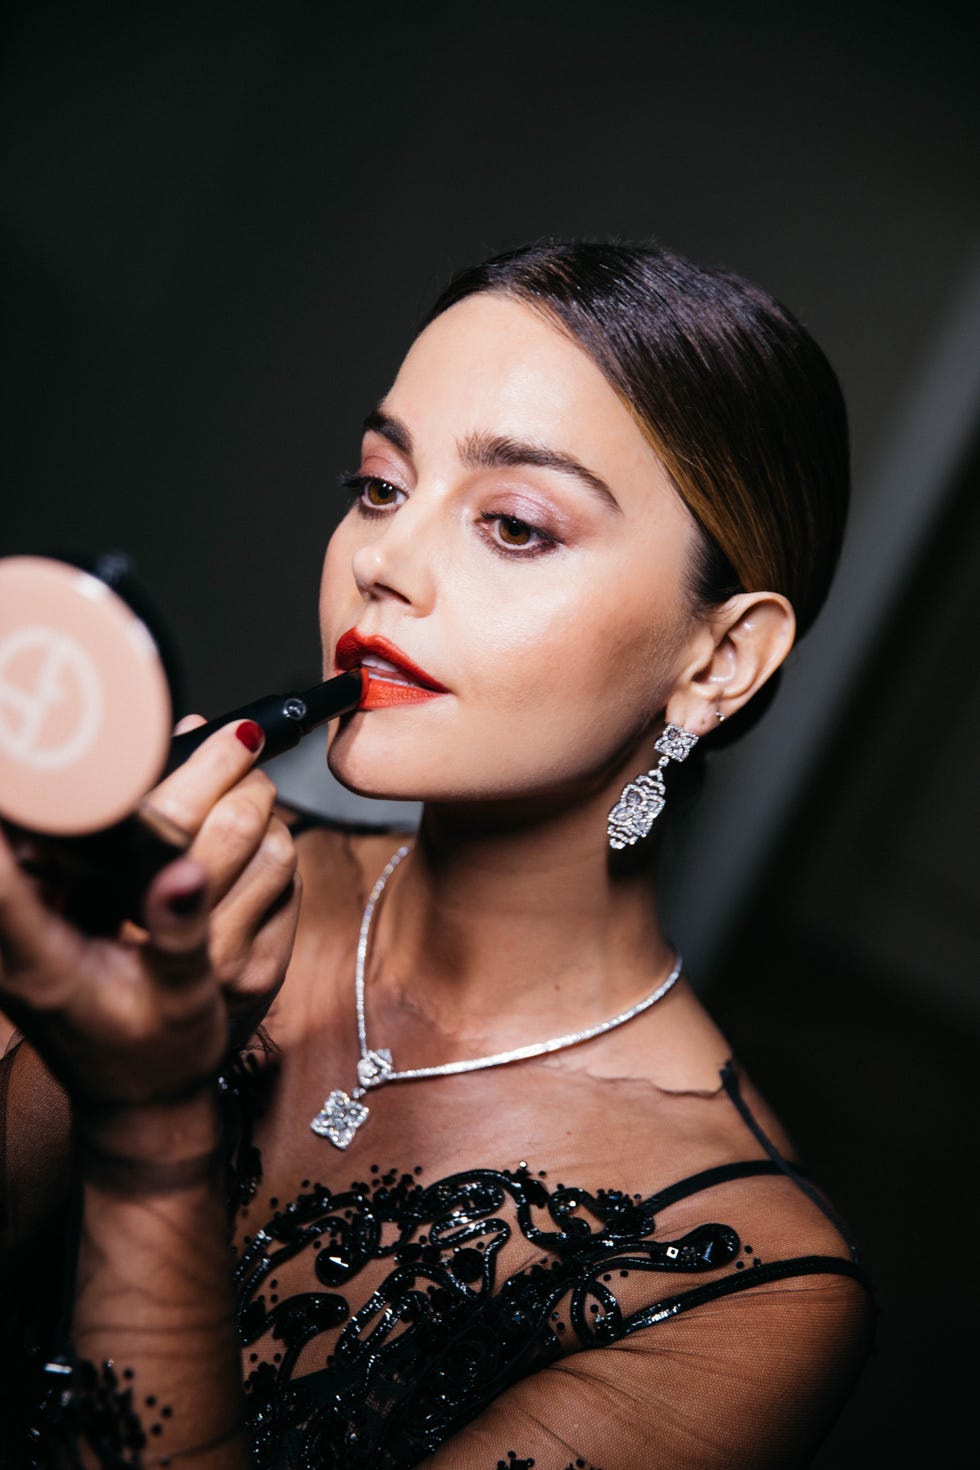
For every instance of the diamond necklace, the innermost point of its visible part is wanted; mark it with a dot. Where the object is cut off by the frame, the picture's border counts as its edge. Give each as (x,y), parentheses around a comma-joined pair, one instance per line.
(343,1113)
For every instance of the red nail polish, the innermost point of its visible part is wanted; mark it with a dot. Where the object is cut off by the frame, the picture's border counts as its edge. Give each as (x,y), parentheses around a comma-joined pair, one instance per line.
(251,735)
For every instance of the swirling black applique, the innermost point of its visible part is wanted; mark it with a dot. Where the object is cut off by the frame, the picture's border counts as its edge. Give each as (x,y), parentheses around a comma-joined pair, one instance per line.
(443,1334)
(90,1404)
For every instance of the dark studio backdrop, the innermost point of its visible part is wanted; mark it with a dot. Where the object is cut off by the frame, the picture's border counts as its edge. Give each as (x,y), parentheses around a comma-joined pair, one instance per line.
(220,227)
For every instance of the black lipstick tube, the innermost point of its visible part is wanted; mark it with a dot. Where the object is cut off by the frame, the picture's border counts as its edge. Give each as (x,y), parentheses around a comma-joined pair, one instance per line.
(102,876)
(285,718)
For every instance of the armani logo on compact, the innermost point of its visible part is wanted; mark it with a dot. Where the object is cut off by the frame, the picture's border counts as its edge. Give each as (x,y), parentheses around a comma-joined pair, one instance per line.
(50,698)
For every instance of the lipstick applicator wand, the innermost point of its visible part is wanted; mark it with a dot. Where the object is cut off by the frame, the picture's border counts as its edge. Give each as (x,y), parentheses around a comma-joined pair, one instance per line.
(285,718)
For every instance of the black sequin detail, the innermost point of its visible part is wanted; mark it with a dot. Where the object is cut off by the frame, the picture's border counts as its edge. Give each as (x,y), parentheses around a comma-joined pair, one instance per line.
(92,1405)
(444,1333)
(243,1083)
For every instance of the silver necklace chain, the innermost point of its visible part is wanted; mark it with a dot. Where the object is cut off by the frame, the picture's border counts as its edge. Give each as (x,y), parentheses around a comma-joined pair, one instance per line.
(343,1113)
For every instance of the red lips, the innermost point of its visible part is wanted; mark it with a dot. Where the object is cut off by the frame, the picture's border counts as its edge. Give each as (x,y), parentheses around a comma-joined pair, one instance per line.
(394,679)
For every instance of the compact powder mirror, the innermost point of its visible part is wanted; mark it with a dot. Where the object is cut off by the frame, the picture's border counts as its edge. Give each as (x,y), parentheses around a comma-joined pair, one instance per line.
(86,716)
(86,706)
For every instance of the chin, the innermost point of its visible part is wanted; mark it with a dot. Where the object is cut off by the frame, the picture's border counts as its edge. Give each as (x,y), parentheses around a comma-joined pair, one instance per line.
(381,777)
(388,770)
(413,756)
(372,789)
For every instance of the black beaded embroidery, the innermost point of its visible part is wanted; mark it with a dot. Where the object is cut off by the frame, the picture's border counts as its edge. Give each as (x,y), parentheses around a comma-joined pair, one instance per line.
(442,1335)
(94,1405)
(242,1086)
(446,1331)
(513,1463)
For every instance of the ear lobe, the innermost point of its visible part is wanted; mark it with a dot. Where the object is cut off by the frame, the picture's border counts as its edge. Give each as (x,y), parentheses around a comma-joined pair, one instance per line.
(750,638)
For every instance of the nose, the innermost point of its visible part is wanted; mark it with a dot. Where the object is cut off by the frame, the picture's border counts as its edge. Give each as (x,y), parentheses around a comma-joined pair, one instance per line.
(397,562)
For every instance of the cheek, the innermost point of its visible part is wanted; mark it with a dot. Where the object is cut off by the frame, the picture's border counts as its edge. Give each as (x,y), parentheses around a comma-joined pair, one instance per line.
(604,640)
(336,579)
(557,674)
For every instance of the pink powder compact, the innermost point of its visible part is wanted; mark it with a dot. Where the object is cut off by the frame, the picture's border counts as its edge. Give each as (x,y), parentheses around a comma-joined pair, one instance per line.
(86,712)
(85,700)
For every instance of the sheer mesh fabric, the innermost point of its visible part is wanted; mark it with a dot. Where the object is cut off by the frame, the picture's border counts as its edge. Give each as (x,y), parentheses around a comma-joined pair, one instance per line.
(36,1215)
(538,1264)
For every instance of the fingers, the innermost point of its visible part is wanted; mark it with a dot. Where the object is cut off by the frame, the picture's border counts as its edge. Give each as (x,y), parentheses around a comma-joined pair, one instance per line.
(267,884)
(175,913)
(234,832)
(21,911)
(267,875)
(35,944)
(189,722)
(252,975)
(188,794)
(115,1022)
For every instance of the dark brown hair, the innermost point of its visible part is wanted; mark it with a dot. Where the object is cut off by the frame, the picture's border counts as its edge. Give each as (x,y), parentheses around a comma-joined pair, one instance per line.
(739,402)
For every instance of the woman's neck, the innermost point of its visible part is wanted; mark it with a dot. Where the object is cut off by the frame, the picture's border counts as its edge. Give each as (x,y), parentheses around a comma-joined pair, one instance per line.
(494,928)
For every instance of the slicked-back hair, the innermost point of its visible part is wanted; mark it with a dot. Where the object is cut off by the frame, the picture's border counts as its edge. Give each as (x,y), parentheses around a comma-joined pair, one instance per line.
(738,401)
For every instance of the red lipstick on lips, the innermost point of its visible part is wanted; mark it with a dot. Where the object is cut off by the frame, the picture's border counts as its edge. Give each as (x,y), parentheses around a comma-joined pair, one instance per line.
(390,676)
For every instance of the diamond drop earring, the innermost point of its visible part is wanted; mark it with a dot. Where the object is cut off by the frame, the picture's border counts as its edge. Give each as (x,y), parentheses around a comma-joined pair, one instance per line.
(643,799)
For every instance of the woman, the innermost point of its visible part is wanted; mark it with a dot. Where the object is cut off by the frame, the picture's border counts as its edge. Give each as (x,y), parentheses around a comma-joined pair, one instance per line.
(602,497)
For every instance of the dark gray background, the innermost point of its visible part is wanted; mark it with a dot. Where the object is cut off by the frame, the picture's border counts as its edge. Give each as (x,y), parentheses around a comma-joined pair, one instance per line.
(221,224)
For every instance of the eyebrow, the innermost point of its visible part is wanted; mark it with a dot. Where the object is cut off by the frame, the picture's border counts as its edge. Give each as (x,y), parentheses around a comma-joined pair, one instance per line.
(379,422)
(498,451)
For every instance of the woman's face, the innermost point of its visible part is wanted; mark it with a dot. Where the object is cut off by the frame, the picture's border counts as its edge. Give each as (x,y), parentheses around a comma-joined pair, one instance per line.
(514,537)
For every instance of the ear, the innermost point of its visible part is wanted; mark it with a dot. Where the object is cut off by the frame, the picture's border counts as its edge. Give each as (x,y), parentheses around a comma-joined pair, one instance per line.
(734,652)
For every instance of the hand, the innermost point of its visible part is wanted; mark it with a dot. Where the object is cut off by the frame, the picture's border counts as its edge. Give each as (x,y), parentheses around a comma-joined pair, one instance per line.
(143,1018)
(117,1022)
(253,885)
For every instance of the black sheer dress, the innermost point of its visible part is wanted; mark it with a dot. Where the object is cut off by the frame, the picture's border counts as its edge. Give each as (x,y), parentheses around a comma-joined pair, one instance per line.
(537,1265)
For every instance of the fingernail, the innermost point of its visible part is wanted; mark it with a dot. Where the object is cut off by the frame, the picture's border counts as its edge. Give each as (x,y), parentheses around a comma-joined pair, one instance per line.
(251,735)
(183,905)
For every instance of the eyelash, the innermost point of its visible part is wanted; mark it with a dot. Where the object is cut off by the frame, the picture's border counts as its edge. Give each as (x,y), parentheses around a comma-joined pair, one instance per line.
(356,485)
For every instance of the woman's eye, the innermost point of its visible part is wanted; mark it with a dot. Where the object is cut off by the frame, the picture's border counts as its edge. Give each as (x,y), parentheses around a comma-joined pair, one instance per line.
(371,493)
(513,531)
(509,534)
